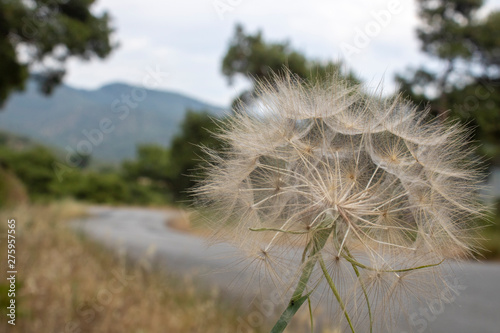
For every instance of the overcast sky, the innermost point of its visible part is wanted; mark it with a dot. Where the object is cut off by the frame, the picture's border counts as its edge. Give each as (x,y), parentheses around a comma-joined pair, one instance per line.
(187,39)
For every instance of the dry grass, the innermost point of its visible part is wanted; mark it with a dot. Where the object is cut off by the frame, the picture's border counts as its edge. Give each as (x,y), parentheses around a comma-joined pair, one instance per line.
(70,284)
(189,222)
(491,244)
(12,191)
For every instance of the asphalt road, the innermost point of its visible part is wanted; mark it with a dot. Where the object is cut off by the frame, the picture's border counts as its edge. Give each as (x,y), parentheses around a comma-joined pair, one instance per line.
(143,234)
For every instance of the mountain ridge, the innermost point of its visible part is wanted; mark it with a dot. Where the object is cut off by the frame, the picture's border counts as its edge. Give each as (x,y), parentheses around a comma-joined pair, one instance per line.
(125,116)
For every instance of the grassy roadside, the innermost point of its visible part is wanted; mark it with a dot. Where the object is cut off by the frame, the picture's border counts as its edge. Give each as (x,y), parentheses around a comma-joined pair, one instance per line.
(492,245)
(491,238)
(67,283)
(490,235)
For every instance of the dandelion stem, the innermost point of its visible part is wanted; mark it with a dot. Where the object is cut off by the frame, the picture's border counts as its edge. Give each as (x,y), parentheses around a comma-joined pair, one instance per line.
(334,290)
(356,270)
(360,265)
(310,314)
(319,239)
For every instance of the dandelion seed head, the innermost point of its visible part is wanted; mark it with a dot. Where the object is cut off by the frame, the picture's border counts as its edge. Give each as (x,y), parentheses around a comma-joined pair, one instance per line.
(392,190)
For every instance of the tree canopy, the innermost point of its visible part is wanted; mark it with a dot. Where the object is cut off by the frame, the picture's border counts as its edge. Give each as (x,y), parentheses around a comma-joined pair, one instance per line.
(41,35)
(186,152)
(256,59)
(173,169)
(467,87)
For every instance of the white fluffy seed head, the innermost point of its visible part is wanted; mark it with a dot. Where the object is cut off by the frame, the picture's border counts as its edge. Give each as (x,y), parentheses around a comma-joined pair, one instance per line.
(391,182)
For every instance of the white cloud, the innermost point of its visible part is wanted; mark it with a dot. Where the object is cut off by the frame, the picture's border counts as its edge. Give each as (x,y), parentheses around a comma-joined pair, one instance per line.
(187,39)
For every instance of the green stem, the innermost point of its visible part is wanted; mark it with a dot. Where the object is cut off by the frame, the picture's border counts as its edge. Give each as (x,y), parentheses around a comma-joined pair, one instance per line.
(360,265)
(310,314)
(319,240)
(356,270)
(335,291)
(304,278)
(289,312)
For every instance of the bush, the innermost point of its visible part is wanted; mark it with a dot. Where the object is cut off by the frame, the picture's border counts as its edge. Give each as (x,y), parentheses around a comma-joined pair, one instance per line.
(33,167)
(12,190)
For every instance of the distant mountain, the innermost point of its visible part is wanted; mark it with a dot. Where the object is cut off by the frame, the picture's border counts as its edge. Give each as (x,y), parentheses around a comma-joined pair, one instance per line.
(109,121)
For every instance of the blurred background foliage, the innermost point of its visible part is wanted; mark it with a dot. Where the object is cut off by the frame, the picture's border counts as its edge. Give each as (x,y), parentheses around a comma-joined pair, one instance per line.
(468,86)
(157,176)
(257,60)
(50,32)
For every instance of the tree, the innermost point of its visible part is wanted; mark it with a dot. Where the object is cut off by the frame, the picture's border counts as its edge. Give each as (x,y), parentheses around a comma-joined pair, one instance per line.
(41,35)
(186,152)
(251,56)
(468,49)
(34,167)
(173,169)
(152,163)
